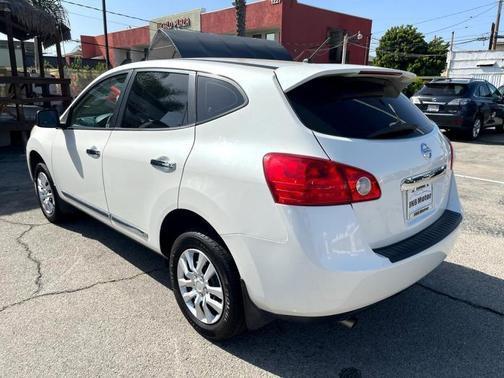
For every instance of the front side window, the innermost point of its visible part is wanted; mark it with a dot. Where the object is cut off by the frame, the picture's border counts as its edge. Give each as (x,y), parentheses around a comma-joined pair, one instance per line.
(97,106)
(157,100)
(216,98)
(494,91)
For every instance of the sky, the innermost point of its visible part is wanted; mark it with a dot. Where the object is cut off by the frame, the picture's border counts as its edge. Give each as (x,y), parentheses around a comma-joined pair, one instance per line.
(467,25)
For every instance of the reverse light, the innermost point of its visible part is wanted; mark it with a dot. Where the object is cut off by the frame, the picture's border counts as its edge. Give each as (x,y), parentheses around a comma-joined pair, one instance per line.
(308,181)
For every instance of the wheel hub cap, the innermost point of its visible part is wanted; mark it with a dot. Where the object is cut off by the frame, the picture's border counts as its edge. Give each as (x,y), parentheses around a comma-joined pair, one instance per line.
(45,194)
(200,286)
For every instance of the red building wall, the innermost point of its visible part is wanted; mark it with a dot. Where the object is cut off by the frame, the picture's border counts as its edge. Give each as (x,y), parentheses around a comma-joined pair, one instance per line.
(260,15)
(95,45)
(304,27)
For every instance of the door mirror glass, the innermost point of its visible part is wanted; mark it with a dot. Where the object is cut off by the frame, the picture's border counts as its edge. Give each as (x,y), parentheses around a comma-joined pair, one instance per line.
(48,118)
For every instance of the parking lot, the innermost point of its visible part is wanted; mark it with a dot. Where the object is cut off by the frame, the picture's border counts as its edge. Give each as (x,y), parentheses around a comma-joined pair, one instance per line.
(80,299)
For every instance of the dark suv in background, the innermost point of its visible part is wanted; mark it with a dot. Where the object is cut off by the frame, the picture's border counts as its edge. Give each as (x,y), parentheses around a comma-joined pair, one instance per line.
(463,105)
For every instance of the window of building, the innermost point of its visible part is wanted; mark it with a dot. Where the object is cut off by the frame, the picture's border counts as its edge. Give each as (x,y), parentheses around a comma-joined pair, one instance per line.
(257,36)
(157,100)
(97,106)
(271,36)
(215,98)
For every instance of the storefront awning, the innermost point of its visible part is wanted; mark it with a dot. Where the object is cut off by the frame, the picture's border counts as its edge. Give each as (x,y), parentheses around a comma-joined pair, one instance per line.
(170,44)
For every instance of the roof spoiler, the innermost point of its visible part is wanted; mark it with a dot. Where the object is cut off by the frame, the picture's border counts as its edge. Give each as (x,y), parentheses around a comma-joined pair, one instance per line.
(292,76)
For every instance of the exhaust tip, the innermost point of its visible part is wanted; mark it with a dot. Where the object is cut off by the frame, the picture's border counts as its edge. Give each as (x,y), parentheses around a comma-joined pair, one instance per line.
(349,323)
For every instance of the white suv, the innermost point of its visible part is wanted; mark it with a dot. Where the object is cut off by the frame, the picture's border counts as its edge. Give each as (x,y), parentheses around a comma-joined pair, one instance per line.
(274,188)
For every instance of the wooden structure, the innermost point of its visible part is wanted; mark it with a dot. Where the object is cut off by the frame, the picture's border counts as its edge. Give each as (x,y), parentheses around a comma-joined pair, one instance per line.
(22,21)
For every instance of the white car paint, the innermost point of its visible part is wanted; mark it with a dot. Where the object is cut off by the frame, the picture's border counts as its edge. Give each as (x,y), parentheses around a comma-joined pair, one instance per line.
(294,260)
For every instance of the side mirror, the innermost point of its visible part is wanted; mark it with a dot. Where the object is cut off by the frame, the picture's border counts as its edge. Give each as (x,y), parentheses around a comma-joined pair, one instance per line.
(48,118)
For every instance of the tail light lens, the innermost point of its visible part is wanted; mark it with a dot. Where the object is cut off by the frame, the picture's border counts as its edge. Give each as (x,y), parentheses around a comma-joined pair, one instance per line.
(452,152)
(307,181)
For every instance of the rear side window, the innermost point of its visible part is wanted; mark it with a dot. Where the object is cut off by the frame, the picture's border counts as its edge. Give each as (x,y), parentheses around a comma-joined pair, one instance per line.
(365,108)
(216,98)
(443,89)
(157,100)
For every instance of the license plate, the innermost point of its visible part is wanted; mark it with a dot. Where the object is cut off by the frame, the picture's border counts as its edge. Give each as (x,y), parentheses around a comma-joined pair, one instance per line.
(419,200)
(433,108)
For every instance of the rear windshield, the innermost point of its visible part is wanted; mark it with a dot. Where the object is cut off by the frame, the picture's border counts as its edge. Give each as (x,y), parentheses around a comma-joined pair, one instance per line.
(443,89)
(365,108)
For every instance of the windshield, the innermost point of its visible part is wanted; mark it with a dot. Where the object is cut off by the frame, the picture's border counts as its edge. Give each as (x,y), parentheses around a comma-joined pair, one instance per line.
(443,89)
(365,108)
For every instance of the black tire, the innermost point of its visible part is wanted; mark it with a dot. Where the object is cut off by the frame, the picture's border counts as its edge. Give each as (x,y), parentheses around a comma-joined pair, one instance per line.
(471,134)
(61,209)
(231,321)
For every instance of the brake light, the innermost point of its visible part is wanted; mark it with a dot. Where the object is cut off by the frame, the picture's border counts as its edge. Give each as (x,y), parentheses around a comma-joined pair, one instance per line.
(460,101)
(308,181)
(452,153)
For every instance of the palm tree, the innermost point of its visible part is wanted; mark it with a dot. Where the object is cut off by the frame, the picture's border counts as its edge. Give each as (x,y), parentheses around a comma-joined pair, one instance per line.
(240,6)
(52,7)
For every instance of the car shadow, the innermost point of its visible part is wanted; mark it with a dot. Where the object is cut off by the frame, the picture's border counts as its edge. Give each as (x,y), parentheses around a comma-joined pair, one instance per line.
(443,326)
(16,189)
(136,254)
(487,137)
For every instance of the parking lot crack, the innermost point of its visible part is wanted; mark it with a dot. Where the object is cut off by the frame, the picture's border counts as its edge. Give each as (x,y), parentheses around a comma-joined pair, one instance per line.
(469,303)
(23,223)
(76,290)
(29,253)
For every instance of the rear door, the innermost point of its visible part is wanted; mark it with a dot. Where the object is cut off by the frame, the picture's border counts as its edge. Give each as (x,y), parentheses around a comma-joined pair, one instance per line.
(146,153)
(367,123)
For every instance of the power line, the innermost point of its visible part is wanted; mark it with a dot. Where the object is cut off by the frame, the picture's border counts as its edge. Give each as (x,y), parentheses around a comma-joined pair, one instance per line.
(447,15)
(108,11)
(461,22)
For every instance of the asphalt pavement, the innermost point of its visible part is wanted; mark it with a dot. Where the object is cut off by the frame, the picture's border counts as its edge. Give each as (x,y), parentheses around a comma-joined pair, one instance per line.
(81,299)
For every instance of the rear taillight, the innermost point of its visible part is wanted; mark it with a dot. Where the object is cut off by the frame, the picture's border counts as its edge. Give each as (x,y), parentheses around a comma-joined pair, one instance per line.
(308,181)
(452,152)
(460,101)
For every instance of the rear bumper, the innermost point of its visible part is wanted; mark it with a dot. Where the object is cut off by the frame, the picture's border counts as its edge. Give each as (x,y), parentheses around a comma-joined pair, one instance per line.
(451,121)
(331,273)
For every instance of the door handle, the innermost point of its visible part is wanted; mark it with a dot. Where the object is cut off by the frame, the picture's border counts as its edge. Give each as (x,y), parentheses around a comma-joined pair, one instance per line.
(164,163)
(93,152)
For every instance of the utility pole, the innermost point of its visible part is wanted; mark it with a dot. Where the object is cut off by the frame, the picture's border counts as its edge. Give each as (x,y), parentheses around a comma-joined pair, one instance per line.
(345,46)
(497,21)
(450,55)
(107,54)
(491,39)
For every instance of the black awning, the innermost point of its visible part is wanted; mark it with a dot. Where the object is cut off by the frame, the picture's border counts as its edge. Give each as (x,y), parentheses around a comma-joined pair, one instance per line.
(170,44)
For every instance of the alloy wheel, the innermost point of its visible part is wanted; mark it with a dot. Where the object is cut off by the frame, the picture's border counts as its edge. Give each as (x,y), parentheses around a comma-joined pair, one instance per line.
(200,286)
(476,128)
(45,194)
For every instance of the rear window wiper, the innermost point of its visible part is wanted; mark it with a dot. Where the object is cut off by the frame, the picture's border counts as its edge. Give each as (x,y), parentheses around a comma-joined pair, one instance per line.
(395,128)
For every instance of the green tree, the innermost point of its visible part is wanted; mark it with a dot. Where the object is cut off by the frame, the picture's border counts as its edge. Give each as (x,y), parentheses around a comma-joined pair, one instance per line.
(240,6)
(404,47)
(436,62)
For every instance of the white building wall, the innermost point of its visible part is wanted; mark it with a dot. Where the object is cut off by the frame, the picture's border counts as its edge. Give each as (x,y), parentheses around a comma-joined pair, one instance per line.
(485,64)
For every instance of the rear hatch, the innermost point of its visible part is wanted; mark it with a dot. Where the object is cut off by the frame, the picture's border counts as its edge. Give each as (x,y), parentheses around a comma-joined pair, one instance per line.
(361,119)
(441,97)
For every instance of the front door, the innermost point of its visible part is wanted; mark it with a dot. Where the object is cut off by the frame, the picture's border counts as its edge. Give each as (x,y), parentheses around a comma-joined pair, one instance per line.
(146,153)
(78,149)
